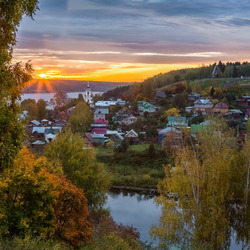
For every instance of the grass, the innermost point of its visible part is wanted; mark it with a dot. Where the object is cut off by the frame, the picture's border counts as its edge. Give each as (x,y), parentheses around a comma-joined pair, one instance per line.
(140,147)
(135,167)
(102,151)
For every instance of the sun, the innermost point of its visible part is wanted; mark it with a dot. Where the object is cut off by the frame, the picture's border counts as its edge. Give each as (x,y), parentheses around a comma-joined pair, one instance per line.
(43,76)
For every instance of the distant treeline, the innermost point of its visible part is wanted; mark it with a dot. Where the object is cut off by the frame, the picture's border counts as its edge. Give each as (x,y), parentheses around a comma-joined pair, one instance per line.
(146,89)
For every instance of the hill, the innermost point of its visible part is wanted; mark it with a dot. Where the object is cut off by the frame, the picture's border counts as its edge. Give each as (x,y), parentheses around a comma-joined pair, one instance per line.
(46,86)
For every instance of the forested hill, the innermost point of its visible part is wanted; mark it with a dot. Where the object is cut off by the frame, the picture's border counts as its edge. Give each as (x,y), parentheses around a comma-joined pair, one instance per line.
(225,73)
(45,86)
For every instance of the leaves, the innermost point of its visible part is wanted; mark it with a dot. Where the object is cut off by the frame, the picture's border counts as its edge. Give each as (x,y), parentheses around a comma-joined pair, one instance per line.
(80,166)
(201,178)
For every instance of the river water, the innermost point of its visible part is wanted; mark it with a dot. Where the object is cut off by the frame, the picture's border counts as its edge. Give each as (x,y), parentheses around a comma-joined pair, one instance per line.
(141,212)
(133,209)
(48,96)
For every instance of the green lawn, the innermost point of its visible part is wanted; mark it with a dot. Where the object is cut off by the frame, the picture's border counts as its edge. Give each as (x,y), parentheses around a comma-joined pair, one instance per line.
(141,147)
(102,151)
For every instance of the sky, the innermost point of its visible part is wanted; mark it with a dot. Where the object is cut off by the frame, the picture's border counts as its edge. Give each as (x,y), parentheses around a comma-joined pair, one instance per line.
(131,40)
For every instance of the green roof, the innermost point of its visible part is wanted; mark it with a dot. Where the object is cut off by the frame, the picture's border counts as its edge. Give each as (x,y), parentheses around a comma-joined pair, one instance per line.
(196,128)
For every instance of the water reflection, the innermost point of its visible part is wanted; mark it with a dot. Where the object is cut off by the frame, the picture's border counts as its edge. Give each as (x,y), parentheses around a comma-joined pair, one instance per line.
(134,209)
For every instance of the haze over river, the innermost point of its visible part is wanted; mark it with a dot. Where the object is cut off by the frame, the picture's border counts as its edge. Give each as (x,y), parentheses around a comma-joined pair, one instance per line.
(48,96)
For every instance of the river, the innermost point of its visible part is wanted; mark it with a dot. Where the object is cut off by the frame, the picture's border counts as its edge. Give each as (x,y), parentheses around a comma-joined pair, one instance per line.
(133,209)
(48,96)
(141,212)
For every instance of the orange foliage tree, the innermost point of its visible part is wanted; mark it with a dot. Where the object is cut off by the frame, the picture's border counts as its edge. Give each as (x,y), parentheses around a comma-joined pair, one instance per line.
(71,212)
(37,202)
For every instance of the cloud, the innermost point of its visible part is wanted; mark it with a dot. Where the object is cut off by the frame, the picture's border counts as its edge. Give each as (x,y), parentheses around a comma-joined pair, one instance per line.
(98,33)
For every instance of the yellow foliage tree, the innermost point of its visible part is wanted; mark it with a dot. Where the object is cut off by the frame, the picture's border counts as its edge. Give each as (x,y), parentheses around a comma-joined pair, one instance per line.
(172,112)
(201,181)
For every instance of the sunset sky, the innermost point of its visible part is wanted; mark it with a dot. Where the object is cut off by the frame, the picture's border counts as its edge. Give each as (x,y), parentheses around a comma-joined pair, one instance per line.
(130,40)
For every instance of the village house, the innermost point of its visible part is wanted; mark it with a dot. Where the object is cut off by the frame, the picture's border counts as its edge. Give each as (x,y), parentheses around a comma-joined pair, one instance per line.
(128,120)
(243,101)
(121,114)
(99,128)
(34,123)
(117,139)
(42,131)
(160,94)
(105,104)
(59,123)
(50,135)
(169,135)
(220,108)
(37,146)
(177,121)
(203,106)
(192,97)
(88,140)
(99,139)
(69,111)
(101,113)
(146,107)
(189,109)
(46,122)
(131,136)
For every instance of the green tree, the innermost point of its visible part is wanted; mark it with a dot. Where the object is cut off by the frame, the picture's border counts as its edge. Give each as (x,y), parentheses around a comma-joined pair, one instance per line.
(80,166)
(12,78)
(201,179)
(30,106)
(60,99)
(80,118)
(42,113)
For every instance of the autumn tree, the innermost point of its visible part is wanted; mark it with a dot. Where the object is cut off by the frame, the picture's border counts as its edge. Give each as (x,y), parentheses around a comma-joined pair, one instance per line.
(71,212)
(37,202)
(201,179)
(197,87)
(240,210)
(172,112)
(27,199)
(81,118)
(80,166)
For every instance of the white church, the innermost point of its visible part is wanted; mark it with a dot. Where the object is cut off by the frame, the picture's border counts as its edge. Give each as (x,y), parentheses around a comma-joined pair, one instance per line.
(88,96)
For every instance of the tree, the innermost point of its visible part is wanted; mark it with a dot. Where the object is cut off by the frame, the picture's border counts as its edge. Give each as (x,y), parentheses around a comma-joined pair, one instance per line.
(197,88)
(42,113)
(12,78)
(80,166)
(34,201)
(180,100)
(172,112)
(60,99)
(201,179)
(71,212)
(80,118)
(27,199)
(212,91)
